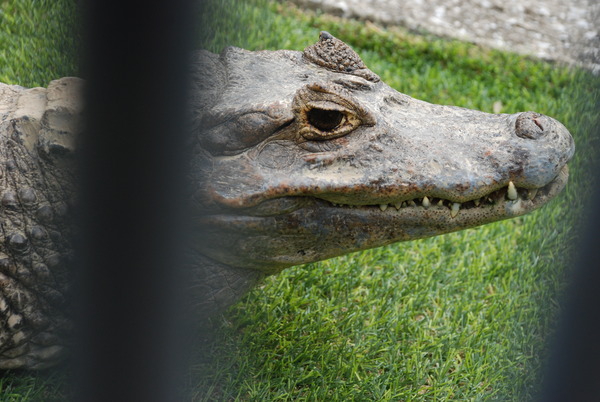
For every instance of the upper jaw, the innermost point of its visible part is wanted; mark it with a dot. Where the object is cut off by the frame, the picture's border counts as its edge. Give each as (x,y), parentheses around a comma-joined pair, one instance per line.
(439,157)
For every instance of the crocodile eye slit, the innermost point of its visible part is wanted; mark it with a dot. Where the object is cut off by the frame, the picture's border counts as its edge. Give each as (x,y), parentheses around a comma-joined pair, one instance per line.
(324,120)
(327,111)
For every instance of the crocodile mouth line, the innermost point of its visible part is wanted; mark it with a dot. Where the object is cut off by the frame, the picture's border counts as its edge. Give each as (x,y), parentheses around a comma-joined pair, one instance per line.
(516,200)
(508,194)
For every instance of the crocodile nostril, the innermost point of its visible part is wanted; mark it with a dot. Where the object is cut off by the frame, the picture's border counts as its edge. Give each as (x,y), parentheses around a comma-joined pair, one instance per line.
(530,125)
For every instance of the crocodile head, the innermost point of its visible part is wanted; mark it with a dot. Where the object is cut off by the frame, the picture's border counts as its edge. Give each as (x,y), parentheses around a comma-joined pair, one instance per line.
(302,156)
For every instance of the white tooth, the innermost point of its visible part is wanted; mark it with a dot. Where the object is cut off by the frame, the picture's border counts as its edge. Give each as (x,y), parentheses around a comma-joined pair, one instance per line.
(426,202)
(477,202)
(398,205)
(512,191)
(455,209)
(412,203)
(440,203)
(532,193)
(383,207)
(403,204)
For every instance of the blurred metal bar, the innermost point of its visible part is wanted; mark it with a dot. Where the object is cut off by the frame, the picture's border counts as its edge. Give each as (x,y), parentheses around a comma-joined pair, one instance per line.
(132,173)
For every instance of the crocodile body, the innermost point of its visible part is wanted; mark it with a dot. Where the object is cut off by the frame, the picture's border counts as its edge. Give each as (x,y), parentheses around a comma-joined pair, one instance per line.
(297,157)
(37,132)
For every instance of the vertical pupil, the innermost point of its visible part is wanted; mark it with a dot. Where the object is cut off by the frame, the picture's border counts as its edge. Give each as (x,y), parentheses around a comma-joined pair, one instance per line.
(324,120)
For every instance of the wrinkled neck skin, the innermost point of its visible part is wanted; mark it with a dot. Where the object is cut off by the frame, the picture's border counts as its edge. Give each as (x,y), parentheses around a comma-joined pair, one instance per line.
(299,160)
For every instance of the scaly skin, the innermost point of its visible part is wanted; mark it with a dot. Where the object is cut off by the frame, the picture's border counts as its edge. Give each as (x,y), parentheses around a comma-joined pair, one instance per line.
(37,129)
(297,157)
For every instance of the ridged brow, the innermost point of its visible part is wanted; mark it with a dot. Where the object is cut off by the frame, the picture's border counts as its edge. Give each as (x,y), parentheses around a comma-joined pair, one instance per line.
(355,83)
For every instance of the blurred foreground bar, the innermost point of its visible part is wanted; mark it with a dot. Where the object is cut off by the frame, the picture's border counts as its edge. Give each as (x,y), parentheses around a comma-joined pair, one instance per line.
(132,172)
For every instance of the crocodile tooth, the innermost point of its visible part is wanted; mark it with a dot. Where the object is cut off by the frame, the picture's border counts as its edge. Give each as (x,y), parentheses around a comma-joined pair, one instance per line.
(426,202)
(440,203)
(532,193)
(398,205)
(455,209)
(412,203)
(512,191)
(383,207)
(403,204)
(477,202)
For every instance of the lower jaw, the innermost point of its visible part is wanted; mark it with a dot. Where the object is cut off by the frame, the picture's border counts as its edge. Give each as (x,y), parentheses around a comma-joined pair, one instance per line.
(320,230)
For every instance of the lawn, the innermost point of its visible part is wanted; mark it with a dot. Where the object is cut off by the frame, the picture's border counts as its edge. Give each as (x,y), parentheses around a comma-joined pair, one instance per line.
(464,316)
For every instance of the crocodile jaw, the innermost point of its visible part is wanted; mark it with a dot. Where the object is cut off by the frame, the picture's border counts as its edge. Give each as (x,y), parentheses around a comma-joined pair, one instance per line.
(288,231)
(504,203)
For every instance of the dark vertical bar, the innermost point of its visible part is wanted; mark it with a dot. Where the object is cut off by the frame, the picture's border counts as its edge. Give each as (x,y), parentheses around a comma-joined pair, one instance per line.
(573,372)
(132,175)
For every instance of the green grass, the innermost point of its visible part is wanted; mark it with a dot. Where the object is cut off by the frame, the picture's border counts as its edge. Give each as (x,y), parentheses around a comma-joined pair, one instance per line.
(464,316)
(38,41)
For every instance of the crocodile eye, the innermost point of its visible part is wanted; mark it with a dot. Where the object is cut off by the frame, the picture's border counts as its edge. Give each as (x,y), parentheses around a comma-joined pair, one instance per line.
(327,111)
(324,120)
(327,120)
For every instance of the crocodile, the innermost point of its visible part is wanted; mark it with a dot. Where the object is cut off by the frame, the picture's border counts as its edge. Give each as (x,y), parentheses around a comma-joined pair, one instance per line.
(295,157)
